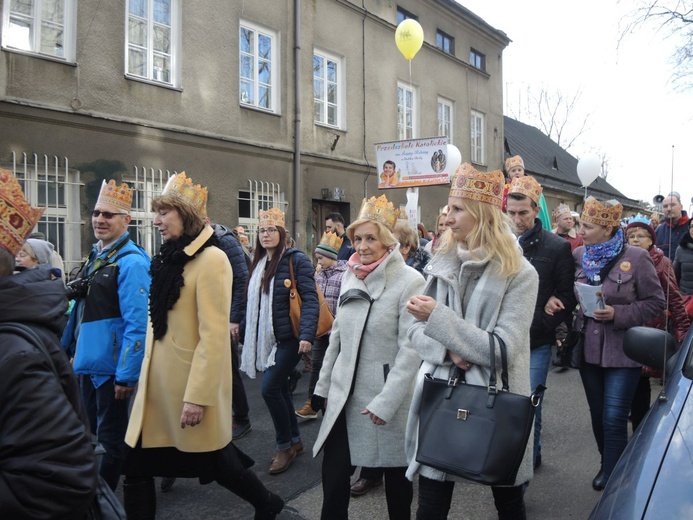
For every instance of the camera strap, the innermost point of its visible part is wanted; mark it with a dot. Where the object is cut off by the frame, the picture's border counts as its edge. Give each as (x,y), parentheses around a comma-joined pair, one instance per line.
(106,261)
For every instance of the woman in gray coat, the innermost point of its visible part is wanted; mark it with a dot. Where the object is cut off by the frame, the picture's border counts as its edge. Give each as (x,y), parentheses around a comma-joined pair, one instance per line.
(365,383)
(478,283)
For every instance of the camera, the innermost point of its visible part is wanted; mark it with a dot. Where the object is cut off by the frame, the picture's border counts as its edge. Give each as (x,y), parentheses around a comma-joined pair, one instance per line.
(78,288)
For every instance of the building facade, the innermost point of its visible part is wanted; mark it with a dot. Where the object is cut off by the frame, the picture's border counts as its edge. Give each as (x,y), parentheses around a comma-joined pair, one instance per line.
(268,103)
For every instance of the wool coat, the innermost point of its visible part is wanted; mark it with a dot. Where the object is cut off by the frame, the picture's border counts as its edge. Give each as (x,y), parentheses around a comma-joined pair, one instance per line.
(632,288)
(480,301)
(370,352)
(191,363)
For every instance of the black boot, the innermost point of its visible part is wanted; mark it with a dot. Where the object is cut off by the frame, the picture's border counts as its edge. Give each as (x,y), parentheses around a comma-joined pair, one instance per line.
(139,496)
(599,482)
(247,486)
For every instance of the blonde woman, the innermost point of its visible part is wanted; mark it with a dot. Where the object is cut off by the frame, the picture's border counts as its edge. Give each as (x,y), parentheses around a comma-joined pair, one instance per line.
(478,284)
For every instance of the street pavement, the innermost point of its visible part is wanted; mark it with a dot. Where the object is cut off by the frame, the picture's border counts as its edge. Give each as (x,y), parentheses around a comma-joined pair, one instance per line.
(561,488)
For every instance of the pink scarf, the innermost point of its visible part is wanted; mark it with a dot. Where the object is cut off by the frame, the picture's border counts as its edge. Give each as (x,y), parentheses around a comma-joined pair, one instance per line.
(360,270)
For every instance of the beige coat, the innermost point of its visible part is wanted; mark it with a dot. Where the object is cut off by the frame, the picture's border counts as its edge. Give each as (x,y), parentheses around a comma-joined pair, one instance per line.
(191,363)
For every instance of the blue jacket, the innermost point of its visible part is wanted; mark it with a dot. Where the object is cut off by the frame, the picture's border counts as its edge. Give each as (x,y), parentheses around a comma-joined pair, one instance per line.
(230,245)
(111,322)
(677,232)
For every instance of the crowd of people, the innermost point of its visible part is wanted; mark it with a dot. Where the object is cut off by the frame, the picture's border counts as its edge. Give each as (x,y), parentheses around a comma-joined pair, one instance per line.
(150,352)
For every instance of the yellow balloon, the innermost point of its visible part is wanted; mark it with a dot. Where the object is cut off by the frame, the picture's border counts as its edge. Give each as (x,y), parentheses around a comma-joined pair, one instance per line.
(409,38)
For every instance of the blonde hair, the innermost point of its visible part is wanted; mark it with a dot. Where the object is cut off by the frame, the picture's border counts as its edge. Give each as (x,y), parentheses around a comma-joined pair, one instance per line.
(384,234)
(492,234)
(406,235)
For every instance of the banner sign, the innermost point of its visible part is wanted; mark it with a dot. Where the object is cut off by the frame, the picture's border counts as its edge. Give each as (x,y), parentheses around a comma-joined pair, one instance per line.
(415,162)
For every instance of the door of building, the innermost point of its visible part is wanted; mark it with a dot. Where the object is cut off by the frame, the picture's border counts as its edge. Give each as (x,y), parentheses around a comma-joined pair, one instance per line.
(320,210)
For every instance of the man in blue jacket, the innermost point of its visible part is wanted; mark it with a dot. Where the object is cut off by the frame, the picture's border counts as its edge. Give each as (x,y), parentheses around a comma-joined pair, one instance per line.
(108,324)
(674,226)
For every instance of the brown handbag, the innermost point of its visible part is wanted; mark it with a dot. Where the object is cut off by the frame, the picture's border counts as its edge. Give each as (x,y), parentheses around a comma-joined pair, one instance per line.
(325,319)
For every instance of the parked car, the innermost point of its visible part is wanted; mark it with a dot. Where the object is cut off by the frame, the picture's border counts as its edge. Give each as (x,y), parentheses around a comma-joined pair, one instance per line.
(653,479)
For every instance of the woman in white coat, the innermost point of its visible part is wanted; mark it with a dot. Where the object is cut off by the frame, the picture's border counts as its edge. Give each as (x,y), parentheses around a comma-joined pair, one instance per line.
(478,283)
(366,380)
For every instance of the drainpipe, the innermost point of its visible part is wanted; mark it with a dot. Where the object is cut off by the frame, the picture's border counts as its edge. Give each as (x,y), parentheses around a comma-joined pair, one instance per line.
(297,118)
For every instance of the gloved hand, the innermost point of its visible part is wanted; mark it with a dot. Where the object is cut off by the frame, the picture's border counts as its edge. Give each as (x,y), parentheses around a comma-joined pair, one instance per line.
(317,403)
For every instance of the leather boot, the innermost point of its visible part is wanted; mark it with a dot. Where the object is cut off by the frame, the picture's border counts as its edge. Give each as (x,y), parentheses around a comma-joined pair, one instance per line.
(139,497)
(599,482)
(247,486)
(282,461)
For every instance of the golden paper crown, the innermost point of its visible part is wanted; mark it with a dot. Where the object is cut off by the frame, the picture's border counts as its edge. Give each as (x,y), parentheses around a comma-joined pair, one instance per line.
(379,210)
(483,187)
(528,186)
(272,217)
(17,217)
(183,187)
(511,162)
(329,245)
(602,213)
(114,195)
(560,209)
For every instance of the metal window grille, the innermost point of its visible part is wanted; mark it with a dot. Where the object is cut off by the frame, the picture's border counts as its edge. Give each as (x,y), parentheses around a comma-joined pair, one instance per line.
(260,196)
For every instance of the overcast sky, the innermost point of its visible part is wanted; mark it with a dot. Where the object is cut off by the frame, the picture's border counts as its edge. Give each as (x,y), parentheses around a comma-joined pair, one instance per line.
(635,113)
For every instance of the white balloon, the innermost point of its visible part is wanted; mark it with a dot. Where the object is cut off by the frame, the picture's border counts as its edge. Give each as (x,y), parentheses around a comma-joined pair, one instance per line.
(588,169)
(454,158)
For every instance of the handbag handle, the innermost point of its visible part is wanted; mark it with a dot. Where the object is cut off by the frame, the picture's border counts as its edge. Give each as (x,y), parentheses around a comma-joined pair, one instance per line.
(459,374)
(291,272)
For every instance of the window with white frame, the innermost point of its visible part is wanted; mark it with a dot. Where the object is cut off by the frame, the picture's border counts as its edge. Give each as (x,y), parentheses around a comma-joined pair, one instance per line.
(477,137)
(445,118)
(259,67)
(44,27)
(260,196)
(147,184)
(153,35)
(328,89)
(406,112)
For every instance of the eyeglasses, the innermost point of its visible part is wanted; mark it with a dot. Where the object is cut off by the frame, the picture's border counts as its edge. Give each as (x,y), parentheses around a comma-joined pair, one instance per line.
(639,237)
(268,231)
(106,214)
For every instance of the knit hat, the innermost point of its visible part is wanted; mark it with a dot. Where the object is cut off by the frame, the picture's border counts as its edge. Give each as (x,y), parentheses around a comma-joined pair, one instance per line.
(483,187)
(606,213)
(329,245)
(640,221)
(42,250)
(17,217)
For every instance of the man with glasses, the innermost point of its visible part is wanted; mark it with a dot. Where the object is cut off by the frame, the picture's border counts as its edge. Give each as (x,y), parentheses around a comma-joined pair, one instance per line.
(107,326)
(674,226)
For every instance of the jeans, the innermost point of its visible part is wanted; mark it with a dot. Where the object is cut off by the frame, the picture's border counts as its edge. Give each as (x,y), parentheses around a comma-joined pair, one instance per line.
(435,498)
(239,399)
(539,361)
(108,419)
(275,392)
(609,393)
(317,354)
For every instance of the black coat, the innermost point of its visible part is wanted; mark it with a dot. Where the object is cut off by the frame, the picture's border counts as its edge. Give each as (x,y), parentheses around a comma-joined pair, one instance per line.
(47,463)
(683,264)
(551,257)
(230,245)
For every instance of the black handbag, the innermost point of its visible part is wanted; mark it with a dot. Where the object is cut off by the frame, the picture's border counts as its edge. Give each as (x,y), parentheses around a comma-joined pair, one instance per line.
(105,505)
(475,432)
(571,354)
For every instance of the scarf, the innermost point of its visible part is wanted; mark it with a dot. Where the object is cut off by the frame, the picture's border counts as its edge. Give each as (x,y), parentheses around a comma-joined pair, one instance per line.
(598,255)
(167,279)
(259,343)
(361,270)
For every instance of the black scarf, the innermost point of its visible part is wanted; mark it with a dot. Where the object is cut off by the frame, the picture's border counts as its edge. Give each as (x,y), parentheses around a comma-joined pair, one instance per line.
(167,279)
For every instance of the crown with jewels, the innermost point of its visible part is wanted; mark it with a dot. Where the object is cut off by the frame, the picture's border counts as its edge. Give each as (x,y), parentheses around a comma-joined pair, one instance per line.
(17,217)
(379,210)
(183,187)
(528,186)
(511,162)
(474,185)
(560,209)
(329,245)
(271,217)
(114,195)
(606,213)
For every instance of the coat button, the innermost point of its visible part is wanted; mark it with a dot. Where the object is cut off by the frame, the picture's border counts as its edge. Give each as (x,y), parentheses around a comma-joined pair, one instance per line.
(595,331)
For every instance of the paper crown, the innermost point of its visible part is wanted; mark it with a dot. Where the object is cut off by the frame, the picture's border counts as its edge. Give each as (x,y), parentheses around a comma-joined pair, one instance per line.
(483,187)
(17,217)
(379,210)
(511,162)
(181,186)
(272,217)
(114,195)
(528,186)
(560,209)
(329,245)
(602,213)
(639,218)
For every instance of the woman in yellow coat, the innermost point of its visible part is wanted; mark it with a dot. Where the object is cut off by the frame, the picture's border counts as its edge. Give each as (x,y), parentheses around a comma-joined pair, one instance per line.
(181,419)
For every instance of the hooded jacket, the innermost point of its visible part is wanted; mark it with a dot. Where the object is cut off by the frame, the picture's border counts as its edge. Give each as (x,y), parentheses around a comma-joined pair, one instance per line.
(47,464)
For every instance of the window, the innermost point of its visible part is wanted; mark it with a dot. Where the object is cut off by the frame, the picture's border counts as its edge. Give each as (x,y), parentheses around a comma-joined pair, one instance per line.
(477,60)
(477,134)
(403,14)
(445,42)
(153,40)
(147,183)
(445,118)
(259,67)
(328,81)
(45,27)
(260,196)
(406,111)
